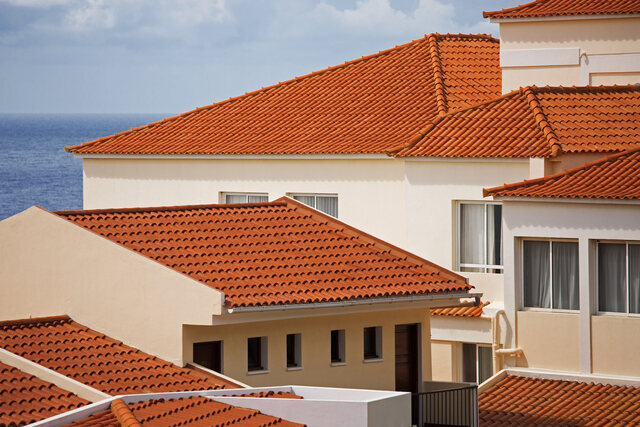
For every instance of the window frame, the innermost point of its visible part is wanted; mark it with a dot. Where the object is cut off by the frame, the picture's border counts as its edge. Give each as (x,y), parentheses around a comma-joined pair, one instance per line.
(224,194)
(378,344)
(597,277)
(315,196)
(297,352)
(521,274)
(485,267)
(477,347)
(263,356)
(342,360)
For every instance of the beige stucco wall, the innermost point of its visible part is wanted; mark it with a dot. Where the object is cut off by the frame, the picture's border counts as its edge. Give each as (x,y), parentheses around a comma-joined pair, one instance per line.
(316,338)
(369,195)
(549,340)
(591,36)
(445,360)
(616,345)
(51,267)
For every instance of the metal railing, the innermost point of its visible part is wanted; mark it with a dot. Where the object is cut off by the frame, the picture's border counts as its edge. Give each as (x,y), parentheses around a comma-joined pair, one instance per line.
(445,404)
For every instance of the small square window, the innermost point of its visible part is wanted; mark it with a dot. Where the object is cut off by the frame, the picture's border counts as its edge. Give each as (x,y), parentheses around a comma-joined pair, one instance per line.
(337,346)
(480,237)
(208,354)
(244,197)
(373,342)
(477,363)
(257,354)
(294,351)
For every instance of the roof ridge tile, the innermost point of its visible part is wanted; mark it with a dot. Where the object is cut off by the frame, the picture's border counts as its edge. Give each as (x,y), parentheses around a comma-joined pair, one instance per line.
(541,120)
(123,414)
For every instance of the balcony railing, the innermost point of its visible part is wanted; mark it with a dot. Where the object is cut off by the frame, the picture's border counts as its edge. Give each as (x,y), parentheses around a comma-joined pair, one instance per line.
(445,404)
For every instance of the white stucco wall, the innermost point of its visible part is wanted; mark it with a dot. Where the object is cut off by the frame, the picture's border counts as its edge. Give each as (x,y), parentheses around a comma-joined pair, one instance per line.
(570,52)
(585,223)
(51,267)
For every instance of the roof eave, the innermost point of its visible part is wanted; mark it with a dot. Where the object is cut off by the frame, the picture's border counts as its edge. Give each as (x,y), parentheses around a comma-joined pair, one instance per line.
(563,18)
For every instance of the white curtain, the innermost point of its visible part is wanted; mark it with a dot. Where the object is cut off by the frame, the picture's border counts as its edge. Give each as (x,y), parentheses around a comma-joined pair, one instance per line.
(307,200)
(258,199)
(634,278)
(328,205)
(565,275)
(494,234)
(236,198)
(612,292)
(536,274)
(471,235)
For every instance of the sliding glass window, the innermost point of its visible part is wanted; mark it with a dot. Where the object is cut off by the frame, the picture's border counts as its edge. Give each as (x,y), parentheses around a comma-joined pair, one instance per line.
(619,277)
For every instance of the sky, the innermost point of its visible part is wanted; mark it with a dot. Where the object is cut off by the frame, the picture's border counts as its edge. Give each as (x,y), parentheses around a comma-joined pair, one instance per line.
(170,56)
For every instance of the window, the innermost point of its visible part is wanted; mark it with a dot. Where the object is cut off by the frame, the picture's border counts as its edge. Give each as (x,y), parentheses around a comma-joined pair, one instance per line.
(244,197)
(337,346)
(294,351)
(550,274)
(480,237)
(257,354)
(373,342)
(208,354)
(327,203)
(619,277)
(477,363)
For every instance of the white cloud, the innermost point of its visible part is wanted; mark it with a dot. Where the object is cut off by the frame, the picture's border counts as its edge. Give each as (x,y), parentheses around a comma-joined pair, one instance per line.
(36,3)
(189,12)
(91,15)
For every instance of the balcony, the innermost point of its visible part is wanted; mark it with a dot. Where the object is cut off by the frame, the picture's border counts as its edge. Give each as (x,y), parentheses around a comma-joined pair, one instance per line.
(445,404)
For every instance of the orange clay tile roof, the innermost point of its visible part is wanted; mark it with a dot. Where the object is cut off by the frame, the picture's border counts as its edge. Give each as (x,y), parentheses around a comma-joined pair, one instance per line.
(25,398)
(473,311)
(536,122)
(531,401)
(360,107)
(548,8)
(187,411)
(281,252)
(614,177)
(94,359)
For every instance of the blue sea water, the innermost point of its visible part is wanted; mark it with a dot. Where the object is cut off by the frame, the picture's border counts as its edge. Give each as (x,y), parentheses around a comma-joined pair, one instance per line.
(35,169)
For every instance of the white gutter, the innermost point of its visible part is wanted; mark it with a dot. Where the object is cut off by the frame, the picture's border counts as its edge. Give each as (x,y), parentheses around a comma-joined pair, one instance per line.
(563,18)
(51,376)
(348,303)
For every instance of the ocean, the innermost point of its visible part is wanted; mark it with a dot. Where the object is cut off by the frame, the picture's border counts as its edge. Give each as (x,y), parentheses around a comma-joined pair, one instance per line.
(35,169)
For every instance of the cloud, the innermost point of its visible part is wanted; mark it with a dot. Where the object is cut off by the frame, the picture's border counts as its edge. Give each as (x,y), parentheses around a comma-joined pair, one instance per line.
(92,15)
(36,3)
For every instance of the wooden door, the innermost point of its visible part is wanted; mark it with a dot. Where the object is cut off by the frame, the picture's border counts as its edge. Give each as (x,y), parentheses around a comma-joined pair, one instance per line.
(407,358)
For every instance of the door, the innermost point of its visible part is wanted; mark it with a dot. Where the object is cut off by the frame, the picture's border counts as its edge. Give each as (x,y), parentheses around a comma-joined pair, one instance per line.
(407,358)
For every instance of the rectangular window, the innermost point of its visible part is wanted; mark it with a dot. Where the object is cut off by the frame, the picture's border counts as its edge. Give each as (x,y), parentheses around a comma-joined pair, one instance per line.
(337,346)
(373,342)
(257,354)
(477,363)
(244,197)
(208,354)
(480,237)
(550,274)
(327,203)
(619,277)
(294,351)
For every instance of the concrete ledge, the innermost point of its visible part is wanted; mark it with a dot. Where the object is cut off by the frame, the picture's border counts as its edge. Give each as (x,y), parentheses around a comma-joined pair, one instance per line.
(46,374)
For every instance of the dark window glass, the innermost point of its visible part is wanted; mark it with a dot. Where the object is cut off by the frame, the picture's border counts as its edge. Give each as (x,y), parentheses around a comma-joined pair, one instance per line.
(208,354)
(469,373)
(254,355)
(612,286)
(337,346)
(370,343)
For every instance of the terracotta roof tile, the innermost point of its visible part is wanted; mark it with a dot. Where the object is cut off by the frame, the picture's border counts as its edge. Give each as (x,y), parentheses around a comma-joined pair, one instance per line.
(186,411)
(472,311)
(614,177)
(535,122)
(531,401)
(94,359)
(548,8)
(25,398)
(364,106)
(281,252)
(270,395)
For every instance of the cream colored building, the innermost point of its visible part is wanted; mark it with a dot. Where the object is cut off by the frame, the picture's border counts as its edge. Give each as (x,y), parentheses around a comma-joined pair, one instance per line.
(348,310)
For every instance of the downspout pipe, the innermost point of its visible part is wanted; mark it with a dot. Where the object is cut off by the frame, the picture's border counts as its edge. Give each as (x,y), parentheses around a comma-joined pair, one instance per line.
(498,352)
